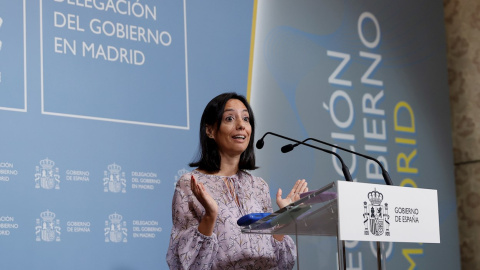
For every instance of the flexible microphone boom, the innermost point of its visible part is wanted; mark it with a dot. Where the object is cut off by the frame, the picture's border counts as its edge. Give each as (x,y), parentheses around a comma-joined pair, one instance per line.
(260,142)
(346,172)
(386,177)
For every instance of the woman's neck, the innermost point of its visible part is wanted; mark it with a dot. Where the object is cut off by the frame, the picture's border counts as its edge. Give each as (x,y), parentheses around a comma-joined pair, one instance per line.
(228,165)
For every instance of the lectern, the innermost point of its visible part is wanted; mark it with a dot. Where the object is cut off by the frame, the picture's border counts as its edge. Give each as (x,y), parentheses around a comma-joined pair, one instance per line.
(353,211)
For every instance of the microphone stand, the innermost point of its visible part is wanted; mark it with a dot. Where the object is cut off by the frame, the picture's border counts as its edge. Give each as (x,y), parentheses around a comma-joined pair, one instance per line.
(345,171)
(386,176)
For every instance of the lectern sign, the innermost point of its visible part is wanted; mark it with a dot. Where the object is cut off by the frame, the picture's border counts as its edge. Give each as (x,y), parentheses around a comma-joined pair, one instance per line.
(376,218)
(370,212)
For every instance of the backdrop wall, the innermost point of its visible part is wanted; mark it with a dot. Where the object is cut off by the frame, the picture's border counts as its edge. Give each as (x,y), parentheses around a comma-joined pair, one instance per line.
(369,76)
(100,103)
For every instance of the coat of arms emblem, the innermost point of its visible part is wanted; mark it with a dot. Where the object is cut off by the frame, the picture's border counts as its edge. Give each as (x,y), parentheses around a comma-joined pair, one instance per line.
(376,218)
(115,229)
(114,180)
(47,176)
(48,228)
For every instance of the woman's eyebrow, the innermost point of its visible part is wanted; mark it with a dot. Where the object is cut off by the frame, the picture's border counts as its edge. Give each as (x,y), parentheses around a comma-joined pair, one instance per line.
(231,110)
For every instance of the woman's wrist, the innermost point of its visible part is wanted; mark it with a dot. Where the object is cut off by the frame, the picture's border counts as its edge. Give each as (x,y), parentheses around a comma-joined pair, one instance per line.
(207,224)
(279,237)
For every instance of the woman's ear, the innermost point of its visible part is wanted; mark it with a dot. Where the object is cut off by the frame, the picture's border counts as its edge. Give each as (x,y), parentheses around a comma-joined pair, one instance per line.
(210,133)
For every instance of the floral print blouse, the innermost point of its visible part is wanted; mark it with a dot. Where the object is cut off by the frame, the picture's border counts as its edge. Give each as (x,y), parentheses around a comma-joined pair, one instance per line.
(227,247)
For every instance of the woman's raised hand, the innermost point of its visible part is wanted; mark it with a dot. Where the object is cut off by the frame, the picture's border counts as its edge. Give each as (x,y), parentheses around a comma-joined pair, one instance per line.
(207,223)
(202,195)
(294,195)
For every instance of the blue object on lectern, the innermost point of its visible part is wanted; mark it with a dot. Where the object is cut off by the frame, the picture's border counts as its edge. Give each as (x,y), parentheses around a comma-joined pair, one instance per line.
(251,218)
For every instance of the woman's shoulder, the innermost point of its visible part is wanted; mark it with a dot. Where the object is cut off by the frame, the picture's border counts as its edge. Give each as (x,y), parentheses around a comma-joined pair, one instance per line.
(195,172)
(184,179)
(185,174)
(200,176)
(256,180)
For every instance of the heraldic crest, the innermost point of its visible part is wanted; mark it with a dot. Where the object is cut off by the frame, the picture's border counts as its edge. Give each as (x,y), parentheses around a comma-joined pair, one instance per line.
(376,218)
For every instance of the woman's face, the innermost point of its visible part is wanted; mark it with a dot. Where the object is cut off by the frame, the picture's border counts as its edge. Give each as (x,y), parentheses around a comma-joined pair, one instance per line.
(233,135)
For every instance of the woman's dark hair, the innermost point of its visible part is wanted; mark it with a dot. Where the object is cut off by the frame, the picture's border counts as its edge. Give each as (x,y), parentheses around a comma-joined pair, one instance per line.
(208,157)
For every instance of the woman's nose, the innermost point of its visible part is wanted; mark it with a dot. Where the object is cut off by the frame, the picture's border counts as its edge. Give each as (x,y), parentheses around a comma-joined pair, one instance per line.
(240,124)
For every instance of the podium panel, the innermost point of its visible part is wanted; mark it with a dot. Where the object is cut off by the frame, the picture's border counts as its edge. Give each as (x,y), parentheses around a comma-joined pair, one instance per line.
(369,212)
(313,221)
(343,211)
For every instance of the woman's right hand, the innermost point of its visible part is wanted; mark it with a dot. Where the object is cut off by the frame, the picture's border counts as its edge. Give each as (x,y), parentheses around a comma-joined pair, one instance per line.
(211,208)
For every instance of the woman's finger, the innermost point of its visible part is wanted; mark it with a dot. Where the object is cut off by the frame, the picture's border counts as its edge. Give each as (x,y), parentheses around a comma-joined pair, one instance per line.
(195,186)
(201,188)
(302,186)
(299,186)
(294,189)
(279,194)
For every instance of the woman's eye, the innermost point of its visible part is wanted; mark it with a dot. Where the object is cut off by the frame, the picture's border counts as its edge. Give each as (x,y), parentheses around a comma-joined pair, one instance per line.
(229,118)
(246,119)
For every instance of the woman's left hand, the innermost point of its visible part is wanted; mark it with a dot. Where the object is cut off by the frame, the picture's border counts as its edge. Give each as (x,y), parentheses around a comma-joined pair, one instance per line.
(294,195)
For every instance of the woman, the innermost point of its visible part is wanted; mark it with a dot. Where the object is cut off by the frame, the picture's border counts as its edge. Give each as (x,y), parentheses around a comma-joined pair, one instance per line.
(209,200)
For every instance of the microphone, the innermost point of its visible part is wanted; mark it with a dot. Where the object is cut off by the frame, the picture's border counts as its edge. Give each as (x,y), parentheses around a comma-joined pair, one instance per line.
(260,142)
(289,147)
(346,172)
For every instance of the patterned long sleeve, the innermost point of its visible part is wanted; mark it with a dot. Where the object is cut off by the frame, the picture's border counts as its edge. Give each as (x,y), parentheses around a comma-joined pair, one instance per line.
(227,248)
(189,249)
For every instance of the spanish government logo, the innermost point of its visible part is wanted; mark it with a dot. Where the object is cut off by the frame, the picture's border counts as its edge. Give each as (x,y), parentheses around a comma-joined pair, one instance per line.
(115,229)
(376,218)
(114,180)
(46,175)
(179,175)
(48,228)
